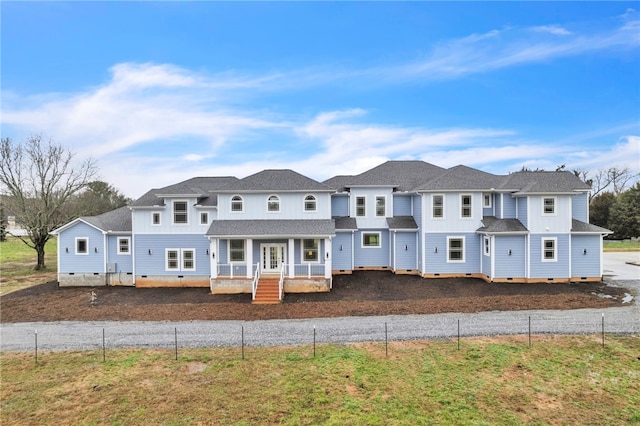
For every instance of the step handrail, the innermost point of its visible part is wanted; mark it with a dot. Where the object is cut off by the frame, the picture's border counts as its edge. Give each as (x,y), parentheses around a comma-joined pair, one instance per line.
(281,283)
(256,278)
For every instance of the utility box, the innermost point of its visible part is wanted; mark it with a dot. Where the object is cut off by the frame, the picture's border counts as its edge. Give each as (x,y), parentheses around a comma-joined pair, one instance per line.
(112,268)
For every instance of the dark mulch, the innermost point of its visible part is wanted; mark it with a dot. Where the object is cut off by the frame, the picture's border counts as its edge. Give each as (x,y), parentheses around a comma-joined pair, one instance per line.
(363,293)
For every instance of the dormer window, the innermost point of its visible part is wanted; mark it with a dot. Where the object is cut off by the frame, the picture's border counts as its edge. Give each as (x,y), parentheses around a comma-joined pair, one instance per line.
(310,203)
(273,204)
(236,203)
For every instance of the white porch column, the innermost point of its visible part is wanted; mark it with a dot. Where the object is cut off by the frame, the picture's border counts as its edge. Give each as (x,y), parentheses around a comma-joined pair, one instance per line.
(249,259)
(291,259)
(327,258)
(213,253)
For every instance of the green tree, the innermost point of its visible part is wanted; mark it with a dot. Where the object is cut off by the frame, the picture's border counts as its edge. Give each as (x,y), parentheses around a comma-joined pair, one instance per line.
(98,197)
(624,215)
(38,180)
(600,207)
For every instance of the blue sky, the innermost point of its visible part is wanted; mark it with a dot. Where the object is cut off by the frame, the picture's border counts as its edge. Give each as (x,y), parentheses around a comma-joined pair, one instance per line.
(158,92)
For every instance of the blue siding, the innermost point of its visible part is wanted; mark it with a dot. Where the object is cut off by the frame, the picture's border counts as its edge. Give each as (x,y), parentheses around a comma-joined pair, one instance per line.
(486,261)
(522,211)
(514,265)
(509,207)
(436,263)
(540,269)
(580,207)
(405,259)
(124,262)
(340,205)
(497,204)
(401,205)
(91,262)
(341,258)
(585,265)
(372,257)
(154,263)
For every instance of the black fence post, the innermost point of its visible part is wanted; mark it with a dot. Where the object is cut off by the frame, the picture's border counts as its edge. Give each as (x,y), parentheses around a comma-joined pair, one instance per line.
(242,331)
(386,341)
(104,356)
(458,334)
(529,331)
(36,337)
(175,331)
(314,341)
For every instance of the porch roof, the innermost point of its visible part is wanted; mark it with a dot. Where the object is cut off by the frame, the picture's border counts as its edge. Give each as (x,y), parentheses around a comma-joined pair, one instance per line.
(402,222)
(270,228)
(495,225)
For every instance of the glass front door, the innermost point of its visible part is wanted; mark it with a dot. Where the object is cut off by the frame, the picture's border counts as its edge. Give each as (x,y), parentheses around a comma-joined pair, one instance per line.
(273,257)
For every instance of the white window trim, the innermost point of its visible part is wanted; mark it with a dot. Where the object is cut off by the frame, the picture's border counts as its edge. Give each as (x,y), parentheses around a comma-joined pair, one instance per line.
(244,251)
(371,247)
(273,211)
(173,212)
(302,250)
(204,215)
(180,259)
(315,203)
(364,197)
(384,197)
(159,218)
(182,268)
(433,206)
(241,204)
(555,206)
(470,207)
(124,253)
(486,246)
(464,245)
(166,260)
(484,204)
(86,240)
(555,249)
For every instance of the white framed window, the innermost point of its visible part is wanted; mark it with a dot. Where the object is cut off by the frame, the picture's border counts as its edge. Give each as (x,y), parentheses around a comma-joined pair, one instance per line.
(236,250)
(172,260)
(487,246)
(188,260)
(124,245)
(310,203)
(371,239)
(204,218)
(455,249)
(155,218)
(82,245)
(437,203)
(361,206)
(487,201)
(548,206)
(273,204)
(310,250)
(237,204)
(381,202)
(550,249)
(180,213)
(465,206)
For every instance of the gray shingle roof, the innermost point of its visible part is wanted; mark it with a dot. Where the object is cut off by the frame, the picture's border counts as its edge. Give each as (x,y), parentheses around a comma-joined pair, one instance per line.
(402,222)
(276,180)
(265,227)
(579,227)
(494,225)
(198,186)
(118,220)
(462,178)
(346,223)
(543,182)
(402,175)
(338,183)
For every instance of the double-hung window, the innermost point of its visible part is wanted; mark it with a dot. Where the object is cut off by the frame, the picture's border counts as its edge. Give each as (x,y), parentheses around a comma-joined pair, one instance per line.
(273,204)
(549,206)
(124,245)
(310,250)
(487,245)
(361,210)
(465,206)
(180,259)
(236,250)
(310,203)
(380,206)
(236,204)
(180,215)
(437,211)
(455,249)
(549,249)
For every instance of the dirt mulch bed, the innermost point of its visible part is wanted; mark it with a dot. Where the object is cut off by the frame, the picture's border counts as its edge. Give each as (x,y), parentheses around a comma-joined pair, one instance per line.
(364,293)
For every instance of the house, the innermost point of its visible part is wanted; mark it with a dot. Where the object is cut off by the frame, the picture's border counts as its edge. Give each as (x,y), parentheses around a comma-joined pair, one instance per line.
(282,231)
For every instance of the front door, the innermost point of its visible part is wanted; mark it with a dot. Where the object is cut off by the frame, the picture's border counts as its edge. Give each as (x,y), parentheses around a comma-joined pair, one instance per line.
(273,257)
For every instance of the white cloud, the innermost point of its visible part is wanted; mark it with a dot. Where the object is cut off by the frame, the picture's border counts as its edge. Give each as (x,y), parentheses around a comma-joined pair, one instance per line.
(552,29)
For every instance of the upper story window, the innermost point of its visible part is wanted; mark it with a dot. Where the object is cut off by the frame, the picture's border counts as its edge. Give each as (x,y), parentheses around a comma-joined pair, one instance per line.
(180,215)
(273,204)
(155,218)
(82,246)
(204,218)
(310,203)
(549,206)
(437,211)
(124,245)
(465,206)
(236,203)
(361,206)
(380,206)
(549,246)
(486,203)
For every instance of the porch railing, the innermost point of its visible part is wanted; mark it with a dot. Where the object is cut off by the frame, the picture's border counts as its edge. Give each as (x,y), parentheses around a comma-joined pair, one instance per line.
(281,282)
(256,278)
(232,270)
(309,270)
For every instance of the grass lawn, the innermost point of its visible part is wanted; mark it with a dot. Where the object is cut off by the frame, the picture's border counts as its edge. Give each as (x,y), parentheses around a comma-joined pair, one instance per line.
(621,245)
(490,380)
(17,263)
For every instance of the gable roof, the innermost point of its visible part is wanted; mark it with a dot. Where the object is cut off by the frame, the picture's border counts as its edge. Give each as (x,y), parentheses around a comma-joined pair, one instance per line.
(462,178)
(491,224)
(402,222)
(339,183)
(543,182)
(276,180)
(580,227)
(200,187)
(401,175)
(118,220)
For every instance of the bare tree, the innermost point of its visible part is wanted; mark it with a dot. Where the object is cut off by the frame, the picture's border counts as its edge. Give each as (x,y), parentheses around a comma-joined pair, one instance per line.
(38,179)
